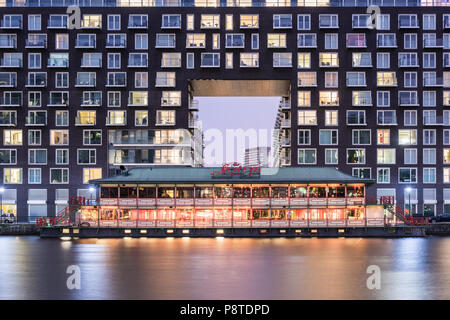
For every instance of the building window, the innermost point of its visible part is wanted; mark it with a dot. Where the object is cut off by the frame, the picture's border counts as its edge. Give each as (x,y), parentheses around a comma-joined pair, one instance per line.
(276,40)
(37,156)
(306,40)
(34,22)
(383,175)
(304,98)
(407,137)
(12,137)
(407,175)
(356,117)
(91,174)
(114,22)
(361,137)
(86,156)
(165,79)
(410,117)
(282,21)
(8,156)
(361,59)
(307,79)
(141,118)
(331,156)
(165,117)
(34,176)
(59,137)
(34,137)
(307,118)
(385,156)
(331,118)
(328,21)
(59,175)
(362,173)
(356,156)
(383,136)
(331,41)
(249,21)
(92,137)
(62,156)
(328,137)
(304,137)
(303,22)
(386,117)
(114,99)
(304,60)
(210,21)
(410,156)
(307,156)
(12,175)
(171,21)
(429,175)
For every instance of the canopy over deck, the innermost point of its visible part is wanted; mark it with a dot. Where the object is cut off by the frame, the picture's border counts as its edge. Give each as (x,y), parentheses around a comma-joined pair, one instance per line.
(188,175)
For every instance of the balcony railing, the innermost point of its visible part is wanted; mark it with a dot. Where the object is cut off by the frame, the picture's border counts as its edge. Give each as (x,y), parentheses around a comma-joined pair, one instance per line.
(36,43)
(11,63)
(433,43)
(285,123)
(433,82)
(80,43)
(58,63)
(8,43)
(35,121)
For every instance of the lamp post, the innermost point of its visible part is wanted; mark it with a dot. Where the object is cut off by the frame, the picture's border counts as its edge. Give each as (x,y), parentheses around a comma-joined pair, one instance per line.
(408,189)
(2,189)
(92,191)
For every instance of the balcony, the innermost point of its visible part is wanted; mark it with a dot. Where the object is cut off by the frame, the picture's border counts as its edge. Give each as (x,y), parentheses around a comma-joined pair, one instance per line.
(85,44)
(433,43)
(85,82)
(193,105)
(170,62)
(11,23)
(91,102)
(8,80)
(194,124)
(115,121)
(11,63)
(91,24)
(120,43)
(14,101)
(286,105)
(58,63)
(138,101)
(285,123)
(8,43)
(91,63)
(433,82)
(36,121)
(35,44)
(285,161)
(85,121)
(285,142)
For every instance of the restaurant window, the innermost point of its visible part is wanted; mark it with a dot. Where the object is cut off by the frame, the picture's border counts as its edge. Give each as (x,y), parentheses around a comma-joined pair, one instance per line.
(298,192)
(185,192)
(241,192)
(147,192)
(166,192)
(223,192)
(336,192)
(260,192)
(317,192)
(128,192)
(109,192)
(203,192)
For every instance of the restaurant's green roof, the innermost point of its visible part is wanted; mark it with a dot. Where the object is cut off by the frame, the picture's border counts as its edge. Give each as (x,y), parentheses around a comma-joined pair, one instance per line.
(180,175)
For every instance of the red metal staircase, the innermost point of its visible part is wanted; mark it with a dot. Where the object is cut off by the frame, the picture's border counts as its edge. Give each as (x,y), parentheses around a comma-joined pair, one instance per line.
(66,216)
(397,211)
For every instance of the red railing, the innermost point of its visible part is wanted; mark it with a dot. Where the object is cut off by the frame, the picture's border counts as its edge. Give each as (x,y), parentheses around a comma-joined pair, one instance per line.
(62,217)
(389,202)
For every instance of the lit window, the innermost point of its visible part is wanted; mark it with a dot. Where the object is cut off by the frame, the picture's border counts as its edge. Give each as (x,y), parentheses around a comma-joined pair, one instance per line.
(91,174)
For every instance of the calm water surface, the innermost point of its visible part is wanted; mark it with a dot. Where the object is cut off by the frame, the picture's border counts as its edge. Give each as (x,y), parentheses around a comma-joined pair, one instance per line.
(414,268)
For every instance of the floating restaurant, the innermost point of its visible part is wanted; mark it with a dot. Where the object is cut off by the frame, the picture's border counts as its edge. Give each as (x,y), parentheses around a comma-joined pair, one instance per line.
(231,201)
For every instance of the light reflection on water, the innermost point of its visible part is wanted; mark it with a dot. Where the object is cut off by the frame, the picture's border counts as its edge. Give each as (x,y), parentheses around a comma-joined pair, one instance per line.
(412,268)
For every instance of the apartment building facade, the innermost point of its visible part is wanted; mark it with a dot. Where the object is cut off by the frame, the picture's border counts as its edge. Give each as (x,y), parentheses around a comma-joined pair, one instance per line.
(82,98)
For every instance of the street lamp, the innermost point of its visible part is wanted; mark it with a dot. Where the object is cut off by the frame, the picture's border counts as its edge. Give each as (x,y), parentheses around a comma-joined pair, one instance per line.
(409,189)
(2,189)
(92,191)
